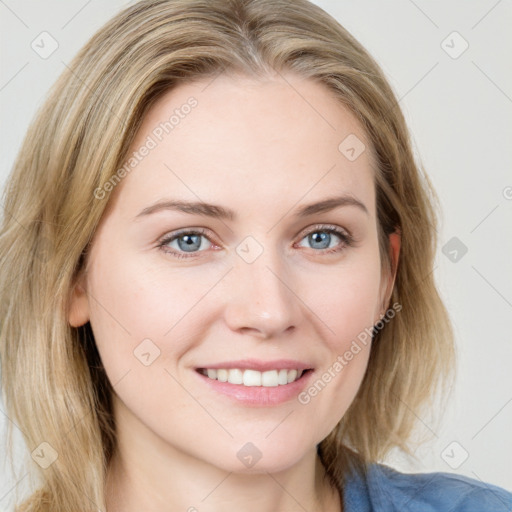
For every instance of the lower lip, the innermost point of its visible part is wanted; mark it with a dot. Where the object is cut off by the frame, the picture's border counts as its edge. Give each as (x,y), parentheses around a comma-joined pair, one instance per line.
(259,396)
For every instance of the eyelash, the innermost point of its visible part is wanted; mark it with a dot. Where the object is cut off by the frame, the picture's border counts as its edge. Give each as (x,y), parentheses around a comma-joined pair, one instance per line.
(346,240)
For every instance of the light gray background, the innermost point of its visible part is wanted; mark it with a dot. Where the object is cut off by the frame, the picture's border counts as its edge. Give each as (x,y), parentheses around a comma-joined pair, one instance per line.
(459,111)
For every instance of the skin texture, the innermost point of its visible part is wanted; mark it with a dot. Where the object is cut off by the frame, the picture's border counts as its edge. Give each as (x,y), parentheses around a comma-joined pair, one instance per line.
(263,148)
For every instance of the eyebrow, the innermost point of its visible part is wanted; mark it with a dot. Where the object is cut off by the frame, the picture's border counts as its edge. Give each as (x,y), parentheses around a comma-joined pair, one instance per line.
(220,212)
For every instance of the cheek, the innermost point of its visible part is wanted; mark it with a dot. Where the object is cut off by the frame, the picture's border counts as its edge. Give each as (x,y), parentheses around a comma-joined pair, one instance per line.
(139,307)
(346,300)
(144,318)
(347,308)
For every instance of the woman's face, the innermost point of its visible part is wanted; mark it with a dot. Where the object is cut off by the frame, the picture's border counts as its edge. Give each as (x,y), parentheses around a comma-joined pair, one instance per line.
(241,243)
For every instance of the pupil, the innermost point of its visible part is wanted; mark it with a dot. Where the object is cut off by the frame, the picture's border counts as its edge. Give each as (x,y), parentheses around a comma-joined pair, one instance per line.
(189,242)
(322,238)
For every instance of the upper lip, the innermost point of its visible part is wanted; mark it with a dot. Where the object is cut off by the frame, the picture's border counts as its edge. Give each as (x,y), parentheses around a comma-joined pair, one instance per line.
(259,365)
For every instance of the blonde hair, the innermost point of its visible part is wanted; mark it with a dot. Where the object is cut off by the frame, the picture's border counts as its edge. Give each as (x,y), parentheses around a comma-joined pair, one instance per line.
(52,378)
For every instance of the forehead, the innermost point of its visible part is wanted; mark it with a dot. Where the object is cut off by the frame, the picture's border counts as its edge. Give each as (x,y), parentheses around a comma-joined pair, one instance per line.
(238,140)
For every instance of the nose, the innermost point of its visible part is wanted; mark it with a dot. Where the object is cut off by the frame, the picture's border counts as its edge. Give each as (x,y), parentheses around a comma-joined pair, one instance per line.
(262,300)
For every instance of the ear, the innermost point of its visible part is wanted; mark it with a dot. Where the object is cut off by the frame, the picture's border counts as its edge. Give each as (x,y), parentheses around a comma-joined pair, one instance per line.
(78,313)
(395,239)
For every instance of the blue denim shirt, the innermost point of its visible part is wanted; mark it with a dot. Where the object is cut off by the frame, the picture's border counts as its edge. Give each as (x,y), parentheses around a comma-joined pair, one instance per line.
(385,490)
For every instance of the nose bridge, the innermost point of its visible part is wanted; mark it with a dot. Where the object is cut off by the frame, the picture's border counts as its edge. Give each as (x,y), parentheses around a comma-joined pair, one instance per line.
(261,298)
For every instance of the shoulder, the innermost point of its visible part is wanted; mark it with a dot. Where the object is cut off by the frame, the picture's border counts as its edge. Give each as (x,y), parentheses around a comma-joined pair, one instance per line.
(385,489)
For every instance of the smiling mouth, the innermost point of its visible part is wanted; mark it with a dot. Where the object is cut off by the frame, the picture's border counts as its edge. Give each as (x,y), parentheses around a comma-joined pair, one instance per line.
(251,378)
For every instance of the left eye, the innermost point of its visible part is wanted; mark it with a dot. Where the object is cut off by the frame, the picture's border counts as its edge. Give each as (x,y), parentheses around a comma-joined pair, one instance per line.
(325,238)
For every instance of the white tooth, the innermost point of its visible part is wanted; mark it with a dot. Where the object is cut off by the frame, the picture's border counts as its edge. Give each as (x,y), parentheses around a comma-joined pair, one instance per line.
(282,377)
(252,378)
(222,375)
(269,379)
(235,376)
(292,374)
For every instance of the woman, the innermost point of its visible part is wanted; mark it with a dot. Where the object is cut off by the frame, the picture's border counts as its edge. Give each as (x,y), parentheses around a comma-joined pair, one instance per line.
(223,250)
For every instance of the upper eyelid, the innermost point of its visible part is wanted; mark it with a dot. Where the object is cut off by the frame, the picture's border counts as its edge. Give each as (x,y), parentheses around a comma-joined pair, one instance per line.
(324,227)
(173,235)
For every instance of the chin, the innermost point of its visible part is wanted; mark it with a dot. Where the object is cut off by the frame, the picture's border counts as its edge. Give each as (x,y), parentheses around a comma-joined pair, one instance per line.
(262,456)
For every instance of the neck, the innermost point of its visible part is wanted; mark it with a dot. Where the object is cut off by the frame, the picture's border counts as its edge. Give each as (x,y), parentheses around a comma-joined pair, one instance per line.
(156,477)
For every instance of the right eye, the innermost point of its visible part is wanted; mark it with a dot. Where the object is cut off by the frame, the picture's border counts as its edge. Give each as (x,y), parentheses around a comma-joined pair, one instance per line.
(187,243)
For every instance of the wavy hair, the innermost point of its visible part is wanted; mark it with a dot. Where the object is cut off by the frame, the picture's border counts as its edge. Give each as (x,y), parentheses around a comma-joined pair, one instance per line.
(53,383)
